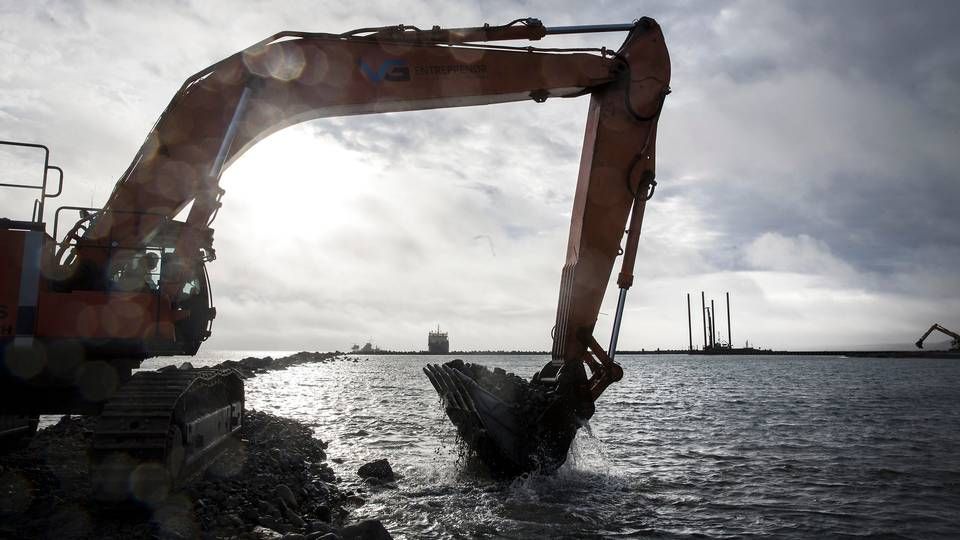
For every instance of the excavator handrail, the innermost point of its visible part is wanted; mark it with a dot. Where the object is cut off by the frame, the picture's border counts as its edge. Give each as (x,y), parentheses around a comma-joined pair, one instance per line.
(36,214)
(98,212)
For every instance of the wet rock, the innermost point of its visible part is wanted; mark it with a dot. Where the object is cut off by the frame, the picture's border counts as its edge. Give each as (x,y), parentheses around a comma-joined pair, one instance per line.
(267,508)
(265,533)
(323,512)
(253,362)
(239,496)
(379,469)
(270,522)
(294,519)
(324,527)
(370,529)
(286,495)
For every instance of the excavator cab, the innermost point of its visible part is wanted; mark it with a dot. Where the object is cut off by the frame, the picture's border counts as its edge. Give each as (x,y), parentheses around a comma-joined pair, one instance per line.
(72,333)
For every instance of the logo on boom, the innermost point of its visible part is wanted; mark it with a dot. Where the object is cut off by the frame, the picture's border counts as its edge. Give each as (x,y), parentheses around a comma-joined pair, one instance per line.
(394,70)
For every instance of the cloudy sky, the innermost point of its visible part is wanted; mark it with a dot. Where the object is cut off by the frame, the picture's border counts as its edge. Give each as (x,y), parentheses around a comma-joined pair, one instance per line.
(809,164)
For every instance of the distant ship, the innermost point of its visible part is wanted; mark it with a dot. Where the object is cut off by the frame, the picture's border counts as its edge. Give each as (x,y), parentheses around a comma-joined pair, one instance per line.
(368,347)
(437,342)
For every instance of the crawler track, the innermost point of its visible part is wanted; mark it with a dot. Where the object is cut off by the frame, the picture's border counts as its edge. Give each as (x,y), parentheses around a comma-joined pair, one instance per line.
(161,428)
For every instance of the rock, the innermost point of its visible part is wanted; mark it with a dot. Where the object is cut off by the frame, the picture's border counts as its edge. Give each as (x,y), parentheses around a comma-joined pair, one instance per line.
(186,365)
(321,527)
(323,512)
(286,495)
(239,497)
(270,522)
(267,508)
(294,536)
(253,362)
(327,536)
(296,520)
(265,533)
(379,469)
(370,529)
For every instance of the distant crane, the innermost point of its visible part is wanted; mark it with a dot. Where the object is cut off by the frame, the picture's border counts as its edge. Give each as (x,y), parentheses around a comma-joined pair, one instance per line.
(954,345)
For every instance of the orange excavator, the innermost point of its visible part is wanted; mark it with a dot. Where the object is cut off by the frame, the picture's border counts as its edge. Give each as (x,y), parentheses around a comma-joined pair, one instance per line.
(82,307)
(954,337)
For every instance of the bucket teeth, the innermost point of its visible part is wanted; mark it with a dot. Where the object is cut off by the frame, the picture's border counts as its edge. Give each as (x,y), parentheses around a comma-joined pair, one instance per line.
(450,387)
(505,432)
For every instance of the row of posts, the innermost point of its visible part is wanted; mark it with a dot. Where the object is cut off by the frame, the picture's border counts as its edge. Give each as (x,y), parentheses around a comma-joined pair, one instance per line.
(709,323)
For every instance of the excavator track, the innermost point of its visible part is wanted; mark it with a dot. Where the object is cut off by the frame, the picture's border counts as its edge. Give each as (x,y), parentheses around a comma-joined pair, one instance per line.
(161,428)
(17,430)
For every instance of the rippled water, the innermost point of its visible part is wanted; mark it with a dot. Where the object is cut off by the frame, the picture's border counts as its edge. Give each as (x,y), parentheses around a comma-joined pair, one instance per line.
(721,447)
(683,446)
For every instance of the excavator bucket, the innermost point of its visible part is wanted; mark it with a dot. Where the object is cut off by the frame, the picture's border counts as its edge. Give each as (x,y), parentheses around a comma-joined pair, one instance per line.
(513,426)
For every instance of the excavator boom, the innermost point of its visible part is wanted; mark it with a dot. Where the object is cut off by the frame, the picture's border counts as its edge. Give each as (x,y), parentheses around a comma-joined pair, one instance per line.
(954,345)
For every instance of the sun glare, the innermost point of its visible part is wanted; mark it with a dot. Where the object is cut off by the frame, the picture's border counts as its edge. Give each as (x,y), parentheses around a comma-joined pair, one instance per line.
(299,178)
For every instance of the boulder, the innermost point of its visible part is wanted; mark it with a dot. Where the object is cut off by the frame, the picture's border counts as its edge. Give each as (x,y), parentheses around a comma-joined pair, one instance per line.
(379,469)
(294,519)
(265,533)
(286,495)
(320,528)
(253,362)
(370,529)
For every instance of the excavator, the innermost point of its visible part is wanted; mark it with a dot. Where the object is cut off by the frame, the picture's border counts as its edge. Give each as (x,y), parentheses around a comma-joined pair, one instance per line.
(954,344)
(81,307)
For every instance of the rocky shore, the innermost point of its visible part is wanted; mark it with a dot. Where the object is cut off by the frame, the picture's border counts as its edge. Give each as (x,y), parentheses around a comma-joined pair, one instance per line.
(253,365)
(274,483)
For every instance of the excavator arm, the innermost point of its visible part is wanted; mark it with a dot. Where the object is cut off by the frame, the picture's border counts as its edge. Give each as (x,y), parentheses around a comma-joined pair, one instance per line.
(955,345)
(293,77)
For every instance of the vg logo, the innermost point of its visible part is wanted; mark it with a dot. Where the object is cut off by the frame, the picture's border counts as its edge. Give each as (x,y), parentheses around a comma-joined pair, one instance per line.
(393,70)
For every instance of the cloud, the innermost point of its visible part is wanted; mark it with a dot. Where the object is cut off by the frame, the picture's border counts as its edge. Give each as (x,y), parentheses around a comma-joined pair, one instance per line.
(807,162)
(801,254)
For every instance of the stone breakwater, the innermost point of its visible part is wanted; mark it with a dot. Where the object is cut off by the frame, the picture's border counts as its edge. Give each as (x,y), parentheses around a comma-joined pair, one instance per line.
(273,483)
(253,366)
